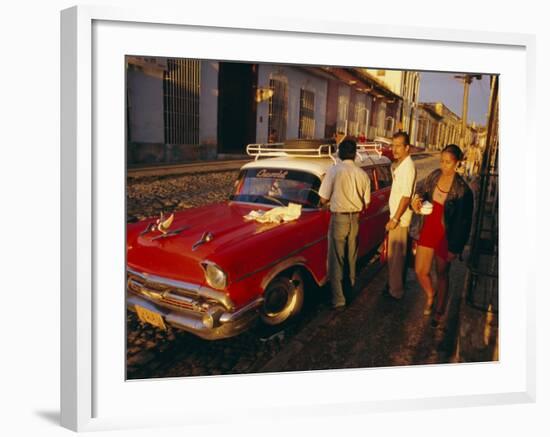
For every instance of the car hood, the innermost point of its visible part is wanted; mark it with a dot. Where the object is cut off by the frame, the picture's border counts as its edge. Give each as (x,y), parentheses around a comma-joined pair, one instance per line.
(176,257)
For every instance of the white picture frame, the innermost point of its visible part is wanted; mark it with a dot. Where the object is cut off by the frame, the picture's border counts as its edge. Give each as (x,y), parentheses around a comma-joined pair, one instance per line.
(89,397)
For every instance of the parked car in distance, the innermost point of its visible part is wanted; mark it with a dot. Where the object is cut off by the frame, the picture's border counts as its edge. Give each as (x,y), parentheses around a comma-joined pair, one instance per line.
(213,273)
(383,146)
(380,145)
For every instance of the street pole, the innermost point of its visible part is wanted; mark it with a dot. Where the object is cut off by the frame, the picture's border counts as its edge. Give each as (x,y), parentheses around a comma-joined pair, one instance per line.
(486,174)
(467,82)
(482,277)
(467,79)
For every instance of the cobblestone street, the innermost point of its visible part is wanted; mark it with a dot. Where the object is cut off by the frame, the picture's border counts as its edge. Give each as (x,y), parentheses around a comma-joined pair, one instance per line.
(148,196)
(371,332)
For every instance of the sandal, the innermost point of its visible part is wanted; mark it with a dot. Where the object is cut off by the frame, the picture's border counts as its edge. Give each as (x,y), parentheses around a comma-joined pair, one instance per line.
(429,306)
(437,319)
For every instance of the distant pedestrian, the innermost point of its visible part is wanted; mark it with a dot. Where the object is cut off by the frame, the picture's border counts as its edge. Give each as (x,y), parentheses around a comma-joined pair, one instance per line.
(445,231)
(272,136)
(478,160)
(402,189)
(347,188)
(470,162)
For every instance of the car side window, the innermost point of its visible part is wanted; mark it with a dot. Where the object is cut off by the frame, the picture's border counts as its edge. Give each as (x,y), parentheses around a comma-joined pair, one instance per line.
(384,176)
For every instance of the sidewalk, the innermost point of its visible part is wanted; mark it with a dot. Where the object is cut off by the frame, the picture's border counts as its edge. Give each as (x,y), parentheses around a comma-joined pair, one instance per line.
(225,163)
(375,331)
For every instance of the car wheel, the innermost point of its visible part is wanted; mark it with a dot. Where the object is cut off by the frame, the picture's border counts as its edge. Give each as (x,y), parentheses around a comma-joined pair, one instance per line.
(283,299)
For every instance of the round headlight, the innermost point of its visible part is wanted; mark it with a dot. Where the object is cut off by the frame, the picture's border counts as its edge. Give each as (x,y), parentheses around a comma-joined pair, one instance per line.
(215,276)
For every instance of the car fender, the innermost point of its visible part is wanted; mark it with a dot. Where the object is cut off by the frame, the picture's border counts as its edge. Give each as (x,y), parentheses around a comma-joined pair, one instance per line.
(297,261)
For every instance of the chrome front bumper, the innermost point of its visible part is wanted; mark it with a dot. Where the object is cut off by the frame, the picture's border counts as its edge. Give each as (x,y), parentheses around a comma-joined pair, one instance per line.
(207,313)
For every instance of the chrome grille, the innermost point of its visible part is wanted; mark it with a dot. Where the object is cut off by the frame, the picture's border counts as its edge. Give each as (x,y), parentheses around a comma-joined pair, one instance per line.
(167,295)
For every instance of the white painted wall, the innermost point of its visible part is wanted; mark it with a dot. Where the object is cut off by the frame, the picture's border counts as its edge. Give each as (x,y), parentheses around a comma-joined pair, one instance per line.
(297,80)
(343,108)
(392,79)
(208,106)
(146,106)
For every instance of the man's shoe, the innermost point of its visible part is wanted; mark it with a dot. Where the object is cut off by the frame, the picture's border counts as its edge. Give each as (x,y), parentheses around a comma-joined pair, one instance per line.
(437,319)
(386,294)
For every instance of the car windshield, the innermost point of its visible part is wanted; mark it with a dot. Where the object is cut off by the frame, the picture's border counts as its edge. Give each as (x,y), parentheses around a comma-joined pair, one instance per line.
(277,186)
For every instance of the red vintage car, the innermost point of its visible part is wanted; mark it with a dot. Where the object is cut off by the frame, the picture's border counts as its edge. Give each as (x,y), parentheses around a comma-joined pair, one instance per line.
(211,272)
(381,145)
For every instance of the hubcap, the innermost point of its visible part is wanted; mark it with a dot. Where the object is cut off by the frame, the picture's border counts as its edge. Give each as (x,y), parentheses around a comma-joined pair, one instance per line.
(277,300)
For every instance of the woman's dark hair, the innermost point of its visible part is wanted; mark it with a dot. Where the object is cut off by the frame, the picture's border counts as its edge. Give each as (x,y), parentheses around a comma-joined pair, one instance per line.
(347,149)
(454,150)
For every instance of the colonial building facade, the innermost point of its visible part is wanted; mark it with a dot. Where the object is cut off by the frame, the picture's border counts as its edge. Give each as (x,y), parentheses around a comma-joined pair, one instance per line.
(185,109)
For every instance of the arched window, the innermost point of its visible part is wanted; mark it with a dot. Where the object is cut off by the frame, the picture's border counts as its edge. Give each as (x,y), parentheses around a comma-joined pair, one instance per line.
(278,109)
(307,114)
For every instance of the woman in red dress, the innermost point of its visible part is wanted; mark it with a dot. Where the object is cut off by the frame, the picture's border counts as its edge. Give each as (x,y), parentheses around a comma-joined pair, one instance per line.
(445,231)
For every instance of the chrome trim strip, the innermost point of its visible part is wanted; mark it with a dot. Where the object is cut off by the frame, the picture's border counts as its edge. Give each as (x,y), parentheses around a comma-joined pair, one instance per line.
(137,287)
(182,299)
(165,281)
(232,317)
(223,298)
(193,323)
(286,264)
(168,304)
(274,263)
(205,292)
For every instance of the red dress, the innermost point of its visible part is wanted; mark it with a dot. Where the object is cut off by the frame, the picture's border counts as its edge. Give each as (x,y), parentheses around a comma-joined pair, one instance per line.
(433,232)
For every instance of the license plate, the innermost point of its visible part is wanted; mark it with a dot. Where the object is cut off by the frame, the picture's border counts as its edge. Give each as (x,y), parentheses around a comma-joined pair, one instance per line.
(150,317)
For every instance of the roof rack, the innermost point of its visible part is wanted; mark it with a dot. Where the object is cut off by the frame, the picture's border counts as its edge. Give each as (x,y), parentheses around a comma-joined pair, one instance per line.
(370,147)
(276,149)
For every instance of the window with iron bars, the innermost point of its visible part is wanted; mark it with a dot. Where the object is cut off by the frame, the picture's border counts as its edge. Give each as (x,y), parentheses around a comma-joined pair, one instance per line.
(362,118)
(307,114)
(352,117)
(278,110)
(343,110)
(181,101)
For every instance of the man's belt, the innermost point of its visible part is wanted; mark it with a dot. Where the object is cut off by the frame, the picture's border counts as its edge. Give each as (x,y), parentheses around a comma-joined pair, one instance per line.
(345,213)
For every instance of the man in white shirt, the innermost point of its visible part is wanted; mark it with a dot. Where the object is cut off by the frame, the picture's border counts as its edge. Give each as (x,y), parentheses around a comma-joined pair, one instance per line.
(403,186)
(347,187)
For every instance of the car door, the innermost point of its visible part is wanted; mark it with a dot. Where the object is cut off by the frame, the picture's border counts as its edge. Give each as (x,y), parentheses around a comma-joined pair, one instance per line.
(384,180)
(368,221)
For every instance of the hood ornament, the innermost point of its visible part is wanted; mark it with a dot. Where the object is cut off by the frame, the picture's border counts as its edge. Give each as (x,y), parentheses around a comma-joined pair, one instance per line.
(206,238)
(163,225)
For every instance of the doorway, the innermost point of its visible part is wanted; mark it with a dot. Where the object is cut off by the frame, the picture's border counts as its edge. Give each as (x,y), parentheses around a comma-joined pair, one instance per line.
(236,106)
